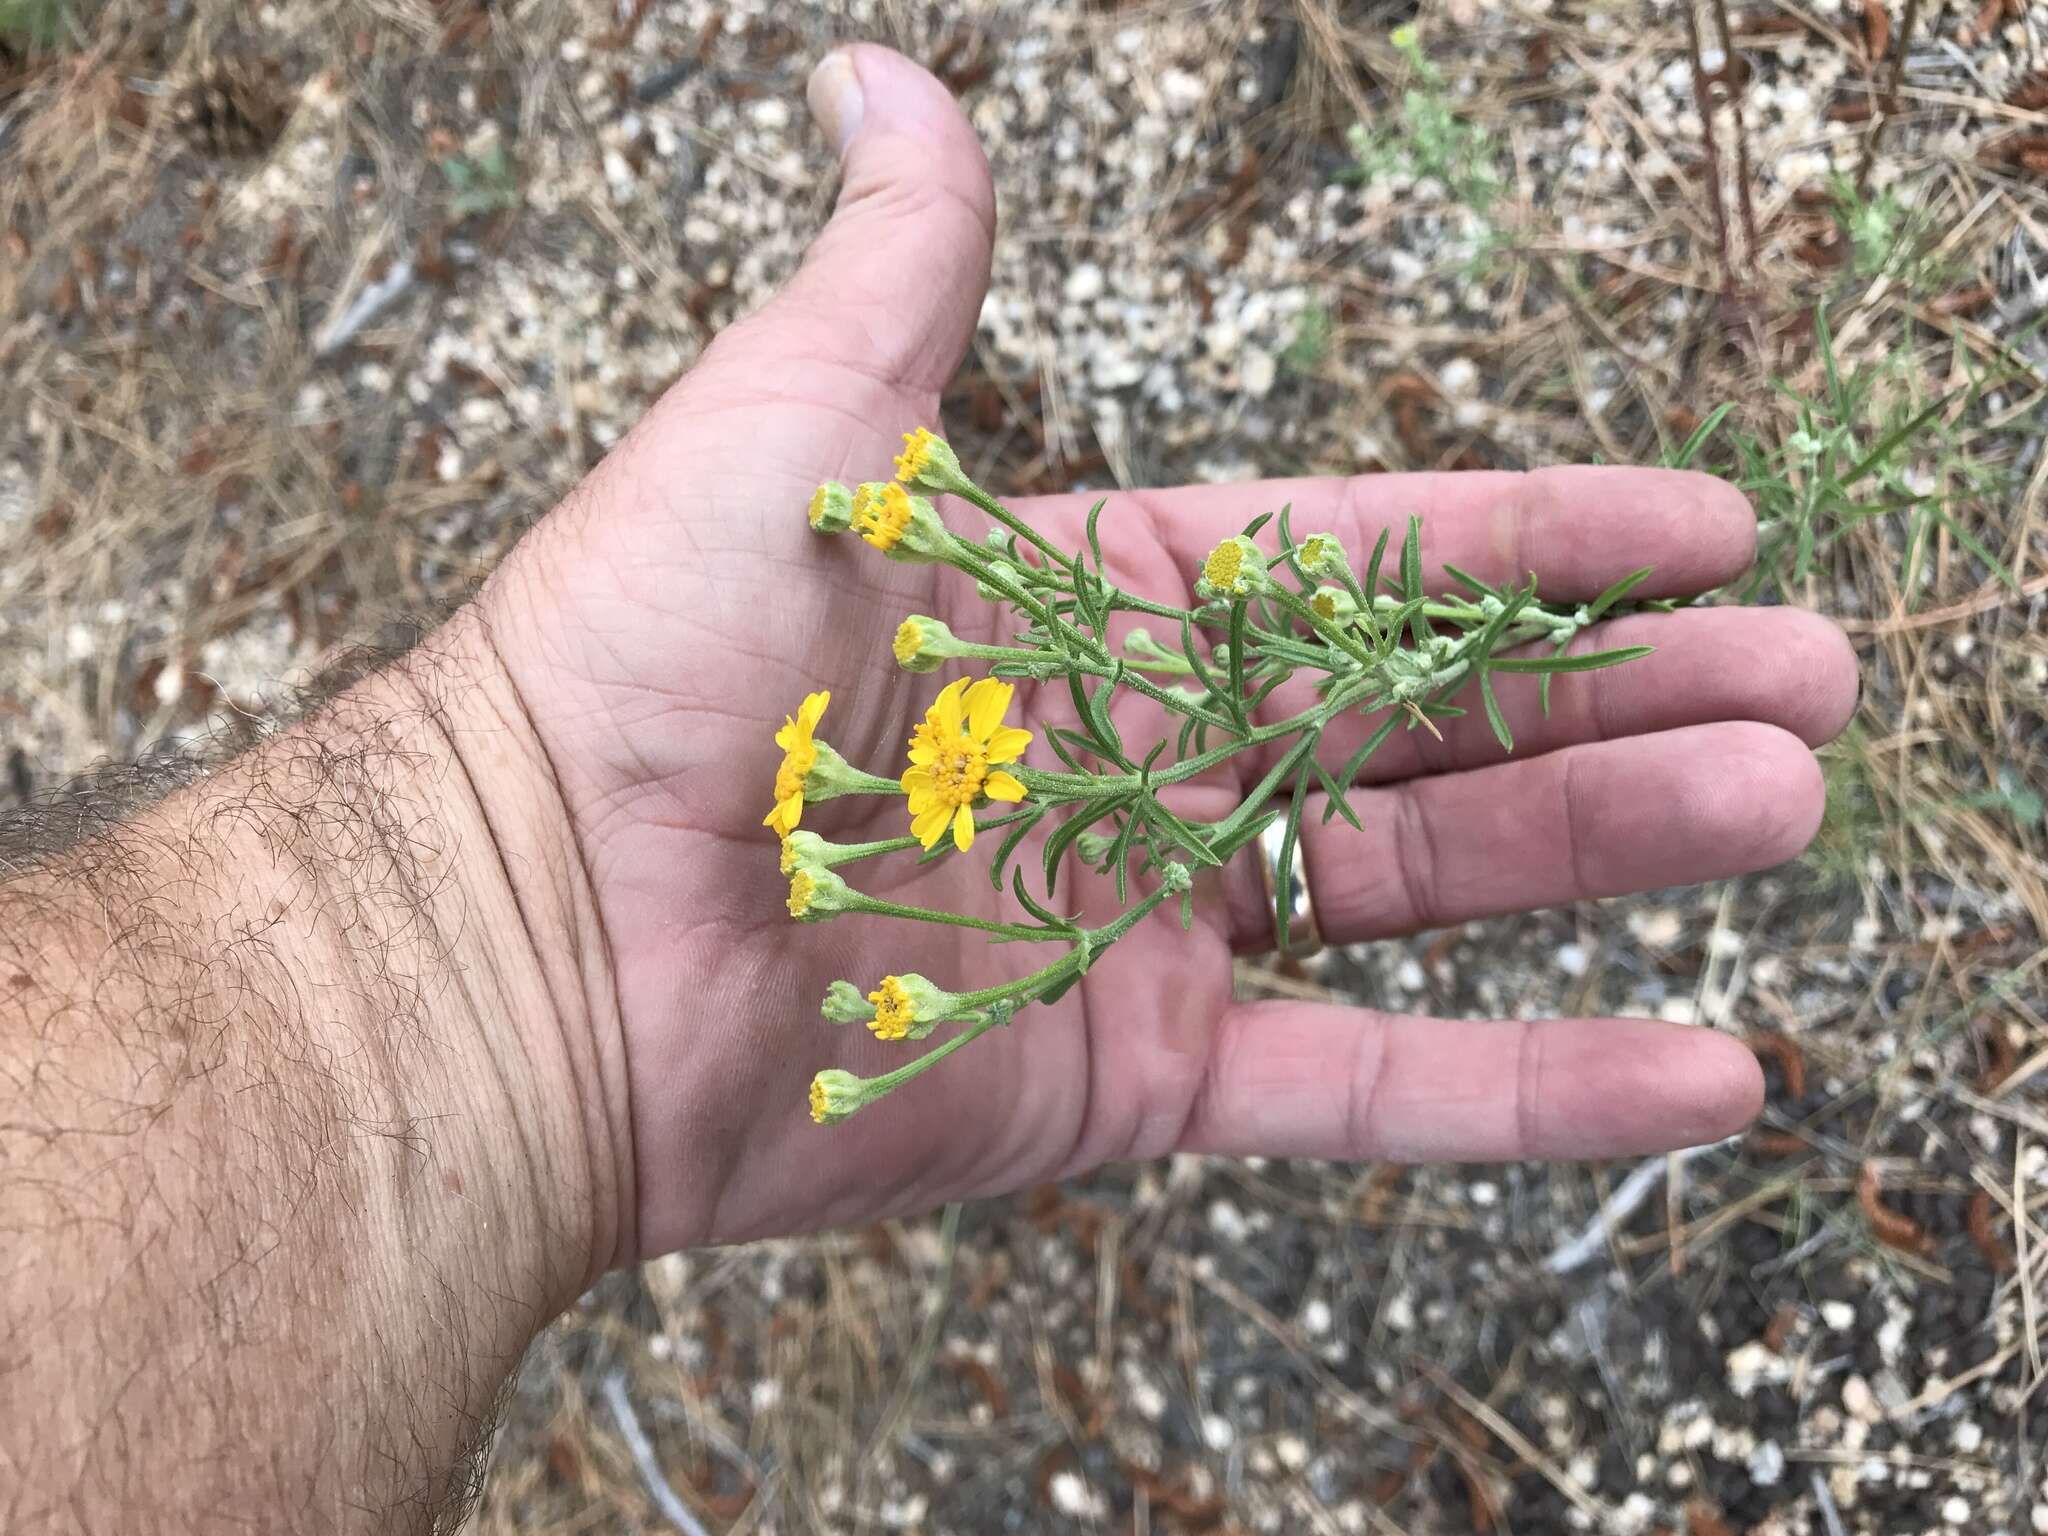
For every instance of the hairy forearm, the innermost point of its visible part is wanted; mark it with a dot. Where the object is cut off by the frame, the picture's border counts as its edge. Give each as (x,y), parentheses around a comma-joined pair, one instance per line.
(300,1130)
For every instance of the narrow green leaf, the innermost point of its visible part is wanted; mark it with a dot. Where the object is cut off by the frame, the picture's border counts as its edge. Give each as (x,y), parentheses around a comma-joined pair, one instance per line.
(1494,717)
(1252,829)
(1251,529)
(1095,542)
(1690,448)
(1465,578)
(1008,846)
(1050,919)
(1617,592)
(1348,774)
(1372,566)
(1893,438)
(1591,661)
(1339,803)
(1064,834)
(1237,709)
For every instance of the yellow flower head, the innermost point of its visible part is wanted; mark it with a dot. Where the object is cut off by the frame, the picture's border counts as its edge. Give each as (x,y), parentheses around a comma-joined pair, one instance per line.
(1234,569)
(1334,604)
(836,1094)
(816,894)
(1320,555)
(916,454)
(924,644)
(886,517)
(803,890)
(799,757)
(895,1009)
(831,509)
(928,463)
(956,757)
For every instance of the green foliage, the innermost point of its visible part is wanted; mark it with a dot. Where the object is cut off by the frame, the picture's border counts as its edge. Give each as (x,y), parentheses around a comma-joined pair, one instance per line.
(1311,340)
(1427,138)
(1887,238)
(1852,828)
(487,182)
(1869,445)
(34,24)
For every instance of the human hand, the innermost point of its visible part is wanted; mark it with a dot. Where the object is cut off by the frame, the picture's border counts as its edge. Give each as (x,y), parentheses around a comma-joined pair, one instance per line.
(660,624)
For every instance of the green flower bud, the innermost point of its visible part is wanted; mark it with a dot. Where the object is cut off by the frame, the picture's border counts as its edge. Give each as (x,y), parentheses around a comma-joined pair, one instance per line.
(844,1005)
(816,894)
(835,1095)
(923,644)
(1334,604)
(1008,573)
(1320,555)
(831,508)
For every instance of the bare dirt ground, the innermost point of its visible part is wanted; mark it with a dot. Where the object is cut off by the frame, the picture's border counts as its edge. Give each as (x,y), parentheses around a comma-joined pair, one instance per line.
(307,308)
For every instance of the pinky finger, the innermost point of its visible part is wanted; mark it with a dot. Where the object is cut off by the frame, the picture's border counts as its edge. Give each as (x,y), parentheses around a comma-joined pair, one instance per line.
(1308,1080)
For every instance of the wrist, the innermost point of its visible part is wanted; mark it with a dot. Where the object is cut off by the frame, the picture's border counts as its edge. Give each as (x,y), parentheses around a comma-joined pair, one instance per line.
(528,998)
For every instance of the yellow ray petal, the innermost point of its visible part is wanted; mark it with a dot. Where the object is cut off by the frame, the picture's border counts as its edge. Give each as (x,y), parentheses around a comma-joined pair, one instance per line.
(987,701)
(945,710)
(963,829)
(1007,744)
(1001,786)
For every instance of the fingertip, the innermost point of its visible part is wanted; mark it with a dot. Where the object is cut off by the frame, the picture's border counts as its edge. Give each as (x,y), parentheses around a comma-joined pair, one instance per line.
(1833,677)
(1724,1083)
(1778,792)
(1725,523)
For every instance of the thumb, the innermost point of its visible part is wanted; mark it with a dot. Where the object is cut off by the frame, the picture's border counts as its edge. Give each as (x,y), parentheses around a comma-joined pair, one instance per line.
(893,286)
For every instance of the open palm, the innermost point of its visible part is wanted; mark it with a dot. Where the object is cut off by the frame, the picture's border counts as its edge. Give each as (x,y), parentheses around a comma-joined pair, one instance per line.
(663,621)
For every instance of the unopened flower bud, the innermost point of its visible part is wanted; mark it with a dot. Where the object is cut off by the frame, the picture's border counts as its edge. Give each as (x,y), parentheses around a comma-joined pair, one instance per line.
(923,644)
(835,1095)
(844,1005)
(831,508)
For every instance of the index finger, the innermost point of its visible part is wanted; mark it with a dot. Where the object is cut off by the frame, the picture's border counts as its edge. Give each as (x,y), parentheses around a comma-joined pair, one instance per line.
(1579,528)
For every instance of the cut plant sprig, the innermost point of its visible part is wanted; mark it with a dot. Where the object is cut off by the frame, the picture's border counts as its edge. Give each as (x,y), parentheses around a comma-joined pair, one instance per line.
(1255,620)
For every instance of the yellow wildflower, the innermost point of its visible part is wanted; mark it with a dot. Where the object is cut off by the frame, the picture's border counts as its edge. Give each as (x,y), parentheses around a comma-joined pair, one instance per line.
(836,1094)
(924,644)
(956,757)
(928,463)
(803,889)
(885,518)
(916,454)
(831,508)
(895,1009)
(1334,604)
(799,757)
(1234,569)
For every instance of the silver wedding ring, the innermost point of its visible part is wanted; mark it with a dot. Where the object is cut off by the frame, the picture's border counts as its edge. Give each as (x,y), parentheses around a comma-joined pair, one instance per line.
(1288,883)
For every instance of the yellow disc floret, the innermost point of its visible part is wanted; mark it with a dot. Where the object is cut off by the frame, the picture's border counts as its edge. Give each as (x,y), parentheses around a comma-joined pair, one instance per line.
(803,889)
(956,759)
(1234,569)
(916,456)
(885,517)
(909,641)
(799,757)
(895,1009)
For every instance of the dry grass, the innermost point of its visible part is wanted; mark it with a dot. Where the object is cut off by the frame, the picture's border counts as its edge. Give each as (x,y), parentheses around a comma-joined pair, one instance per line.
(197,498)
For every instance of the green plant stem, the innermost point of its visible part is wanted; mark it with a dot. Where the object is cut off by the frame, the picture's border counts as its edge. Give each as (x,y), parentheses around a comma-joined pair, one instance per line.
(861,902)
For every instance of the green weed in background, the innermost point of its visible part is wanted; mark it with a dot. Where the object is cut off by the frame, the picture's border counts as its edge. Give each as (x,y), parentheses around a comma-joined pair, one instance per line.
(1310,343)
(30,25)
(487,182)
